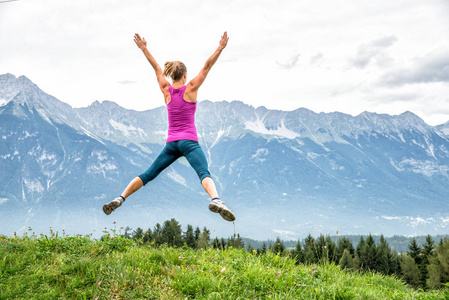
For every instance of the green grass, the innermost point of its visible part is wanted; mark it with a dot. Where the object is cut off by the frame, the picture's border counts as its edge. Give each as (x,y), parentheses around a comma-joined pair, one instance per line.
(81,268)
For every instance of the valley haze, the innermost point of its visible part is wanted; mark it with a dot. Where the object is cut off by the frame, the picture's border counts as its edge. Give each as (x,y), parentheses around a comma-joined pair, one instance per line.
(283,173)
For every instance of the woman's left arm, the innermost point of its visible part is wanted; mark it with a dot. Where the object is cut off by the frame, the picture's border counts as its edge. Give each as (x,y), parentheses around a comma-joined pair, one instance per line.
(196,82)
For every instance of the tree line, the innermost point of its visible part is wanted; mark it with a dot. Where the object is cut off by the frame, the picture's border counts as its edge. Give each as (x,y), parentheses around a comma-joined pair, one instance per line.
(170,233)
(422,266)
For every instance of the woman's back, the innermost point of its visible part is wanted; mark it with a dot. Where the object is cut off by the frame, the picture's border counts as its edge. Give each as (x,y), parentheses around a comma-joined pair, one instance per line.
(181,116)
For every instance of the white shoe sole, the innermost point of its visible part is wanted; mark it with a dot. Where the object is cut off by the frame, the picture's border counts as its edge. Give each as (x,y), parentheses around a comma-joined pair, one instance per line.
(108,208)
(224,212)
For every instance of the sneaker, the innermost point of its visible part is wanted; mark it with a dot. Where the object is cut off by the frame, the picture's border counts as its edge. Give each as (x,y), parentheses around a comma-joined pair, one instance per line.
(218,206)
(108,208)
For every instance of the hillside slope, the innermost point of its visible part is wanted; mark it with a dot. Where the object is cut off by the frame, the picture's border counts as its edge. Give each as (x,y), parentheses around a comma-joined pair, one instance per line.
(80,268)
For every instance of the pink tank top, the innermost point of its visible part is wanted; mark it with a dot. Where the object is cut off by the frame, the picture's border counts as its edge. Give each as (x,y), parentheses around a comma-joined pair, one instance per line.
(181,117)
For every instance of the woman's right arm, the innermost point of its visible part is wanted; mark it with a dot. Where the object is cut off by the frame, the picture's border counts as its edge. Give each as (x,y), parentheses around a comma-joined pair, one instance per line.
(142,44)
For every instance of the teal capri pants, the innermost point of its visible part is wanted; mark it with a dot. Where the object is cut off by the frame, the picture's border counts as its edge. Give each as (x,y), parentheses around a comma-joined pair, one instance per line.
(171,152)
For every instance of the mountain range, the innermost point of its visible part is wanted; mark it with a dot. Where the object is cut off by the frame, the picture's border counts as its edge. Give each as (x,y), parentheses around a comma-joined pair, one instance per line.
(283,173)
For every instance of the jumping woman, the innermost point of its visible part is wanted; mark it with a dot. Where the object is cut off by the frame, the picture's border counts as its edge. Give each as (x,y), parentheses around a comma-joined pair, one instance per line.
(182,136)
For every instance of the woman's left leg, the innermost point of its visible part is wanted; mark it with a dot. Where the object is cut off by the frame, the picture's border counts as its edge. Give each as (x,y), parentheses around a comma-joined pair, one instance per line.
(209,186)
(195,156)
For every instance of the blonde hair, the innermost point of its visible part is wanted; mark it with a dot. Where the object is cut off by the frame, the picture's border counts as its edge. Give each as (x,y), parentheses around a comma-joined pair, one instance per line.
(174,69)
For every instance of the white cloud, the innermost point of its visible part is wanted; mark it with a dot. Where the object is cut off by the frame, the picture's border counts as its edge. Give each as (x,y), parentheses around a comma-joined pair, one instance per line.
(433,67)
(290,63)
(316,58)
(375,50)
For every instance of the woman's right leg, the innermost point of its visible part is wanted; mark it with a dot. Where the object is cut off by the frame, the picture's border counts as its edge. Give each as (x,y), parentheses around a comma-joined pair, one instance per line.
(132,187)
(167,156)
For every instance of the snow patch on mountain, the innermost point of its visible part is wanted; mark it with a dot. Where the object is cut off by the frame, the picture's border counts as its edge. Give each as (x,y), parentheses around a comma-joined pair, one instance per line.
(26,135)
(259,155)
(102,164)
(51,158)
(101,155)
(176,177)
(427,168)
(259,127)
(126,129)
(161,132)
(89,134)
(33,186)
(443,129)
(101,168)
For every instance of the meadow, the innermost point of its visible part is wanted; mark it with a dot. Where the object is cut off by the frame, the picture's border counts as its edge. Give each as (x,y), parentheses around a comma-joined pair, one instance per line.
(57,266)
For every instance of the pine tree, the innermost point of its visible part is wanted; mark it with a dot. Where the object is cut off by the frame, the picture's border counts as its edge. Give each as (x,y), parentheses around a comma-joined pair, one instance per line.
(127,234)
(231,242)
(263,249)
(344,244)
(157,234)
(426,253)
(310,250)
(216,243)
(428,247)
(384,257)
(298,253)
(396,264)
(360,247)
(189,237)
(346,262)
(223,244)
(369,254)
(250,248)
(171,233)
(239,243)
(278,247)
(138,234)
(147,237)
(206,233)
(321,250)
(331,249)
(197,233)
(415,251)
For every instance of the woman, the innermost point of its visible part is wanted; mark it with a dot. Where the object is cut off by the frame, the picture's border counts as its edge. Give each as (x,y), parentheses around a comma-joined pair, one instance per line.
(182,138)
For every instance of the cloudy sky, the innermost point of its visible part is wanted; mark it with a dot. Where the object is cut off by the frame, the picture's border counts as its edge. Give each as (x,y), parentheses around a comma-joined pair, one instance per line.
(350,56)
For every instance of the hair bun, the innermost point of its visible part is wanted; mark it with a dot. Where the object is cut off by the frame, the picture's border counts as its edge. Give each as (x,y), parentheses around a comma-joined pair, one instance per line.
(174,69)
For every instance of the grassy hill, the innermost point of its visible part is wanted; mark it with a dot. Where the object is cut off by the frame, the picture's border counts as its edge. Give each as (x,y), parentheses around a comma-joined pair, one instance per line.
(78,267)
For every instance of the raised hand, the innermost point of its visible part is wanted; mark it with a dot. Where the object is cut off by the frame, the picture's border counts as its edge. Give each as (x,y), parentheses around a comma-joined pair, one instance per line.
(140,42)
(224,41)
